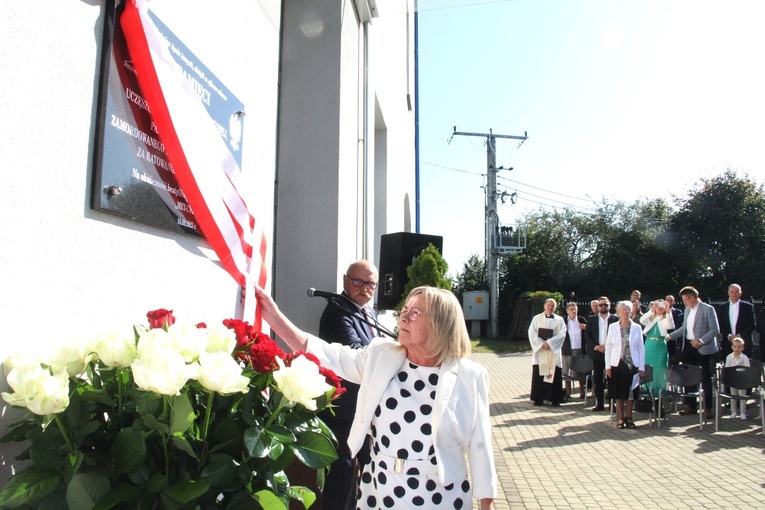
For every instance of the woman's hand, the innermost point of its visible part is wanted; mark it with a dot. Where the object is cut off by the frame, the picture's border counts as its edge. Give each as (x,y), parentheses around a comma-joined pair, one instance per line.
(641,373)
(608,372)
(267,305)
(296,338)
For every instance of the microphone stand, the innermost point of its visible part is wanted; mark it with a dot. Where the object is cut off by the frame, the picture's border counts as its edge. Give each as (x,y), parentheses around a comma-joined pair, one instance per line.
(360,316)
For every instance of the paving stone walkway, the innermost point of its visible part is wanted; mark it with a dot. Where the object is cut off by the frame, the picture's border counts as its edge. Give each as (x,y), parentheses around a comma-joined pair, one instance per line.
(571,457)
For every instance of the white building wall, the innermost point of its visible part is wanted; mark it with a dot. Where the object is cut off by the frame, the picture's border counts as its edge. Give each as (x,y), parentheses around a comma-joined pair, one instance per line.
(331,211)
(66,270)
(392,55)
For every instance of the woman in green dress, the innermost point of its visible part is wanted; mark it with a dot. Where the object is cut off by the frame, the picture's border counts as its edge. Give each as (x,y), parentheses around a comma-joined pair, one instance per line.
(656,323)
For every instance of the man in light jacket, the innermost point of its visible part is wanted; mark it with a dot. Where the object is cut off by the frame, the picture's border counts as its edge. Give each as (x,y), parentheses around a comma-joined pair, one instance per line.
(698,339)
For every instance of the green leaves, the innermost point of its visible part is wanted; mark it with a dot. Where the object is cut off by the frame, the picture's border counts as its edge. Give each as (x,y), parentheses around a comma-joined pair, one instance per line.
(119,446)
(85,490)
(181,415)
(27,487)
(123,493)
(129,450)
(314,450)
(187,490)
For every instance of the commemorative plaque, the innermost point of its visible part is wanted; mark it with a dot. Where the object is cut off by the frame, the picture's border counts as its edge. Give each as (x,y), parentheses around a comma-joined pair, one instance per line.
(133,177)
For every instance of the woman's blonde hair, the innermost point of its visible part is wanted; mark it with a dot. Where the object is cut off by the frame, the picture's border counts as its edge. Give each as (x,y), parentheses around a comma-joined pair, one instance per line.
(448,336)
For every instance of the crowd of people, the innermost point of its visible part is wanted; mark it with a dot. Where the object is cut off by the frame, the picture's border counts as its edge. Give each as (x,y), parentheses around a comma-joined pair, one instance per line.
(413,428)
(621,344)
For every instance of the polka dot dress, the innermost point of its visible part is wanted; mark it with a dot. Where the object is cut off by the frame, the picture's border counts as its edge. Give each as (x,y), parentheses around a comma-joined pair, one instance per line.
(401,428)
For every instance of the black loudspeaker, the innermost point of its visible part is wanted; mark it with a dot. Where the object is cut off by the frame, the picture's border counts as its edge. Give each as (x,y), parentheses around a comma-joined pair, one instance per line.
(397,251)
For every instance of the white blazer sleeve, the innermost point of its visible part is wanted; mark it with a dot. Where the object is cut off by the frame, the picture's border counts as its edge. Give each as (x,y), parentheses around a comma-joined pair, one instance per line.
(646,318)
(611,341)
(480,450)
(346,362)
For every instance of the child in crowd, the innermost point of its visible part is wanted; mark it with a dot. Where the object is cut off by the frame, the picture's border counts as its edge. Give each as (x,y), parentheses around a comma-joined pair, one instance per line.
(736,359)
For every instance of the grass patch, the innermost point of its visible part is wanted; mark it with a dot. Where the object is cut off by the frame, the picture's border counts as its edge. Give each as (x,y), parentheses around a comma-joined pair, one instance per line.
(499,345)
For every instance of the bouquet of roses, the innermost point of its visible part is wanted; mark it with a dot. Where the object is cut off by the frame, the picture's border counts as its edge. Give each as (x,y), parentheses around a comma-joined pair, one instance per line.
(168,416)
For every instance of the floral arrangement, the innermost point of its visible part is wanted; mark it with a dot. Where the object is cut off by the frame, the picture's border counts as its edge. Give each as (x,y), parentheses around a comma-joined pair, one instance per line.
(168,416)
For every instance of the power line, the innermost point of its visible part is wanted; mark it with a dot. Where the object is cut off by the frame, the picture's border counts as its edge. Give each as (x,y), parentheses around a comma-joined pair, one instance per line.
(564,204)
(584,209)
(547,190)
(521,197)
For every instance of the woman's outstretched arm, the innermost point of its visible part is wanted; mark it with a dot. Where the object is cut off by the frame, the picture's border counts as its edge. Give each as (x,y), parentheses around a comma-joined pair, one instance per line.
(293,336)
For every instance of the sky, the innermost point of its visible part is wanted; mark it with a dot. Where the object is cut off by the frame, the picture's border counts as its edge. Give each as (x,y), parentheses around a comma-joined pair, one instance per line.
(620,99)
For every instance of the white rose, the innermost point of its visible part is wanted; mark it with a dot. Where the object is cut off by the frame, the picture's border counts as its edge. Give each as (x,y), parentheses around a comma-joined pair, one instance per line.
(116,348)
(153,339)
(158,367)
(219,372)
(188,340)
(21,360)
(38,390)
(301,382)
(220,339)
(71,357)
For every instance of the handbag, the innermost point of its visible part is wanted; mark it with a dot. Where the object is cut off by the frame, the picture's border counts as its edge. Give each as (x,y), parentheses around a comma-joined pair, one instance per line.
(644,405)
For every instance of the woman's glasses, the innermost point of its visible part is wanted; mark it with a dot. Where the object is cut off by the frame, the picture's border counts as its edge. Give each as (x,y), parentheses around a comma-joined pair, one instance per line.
(414,314)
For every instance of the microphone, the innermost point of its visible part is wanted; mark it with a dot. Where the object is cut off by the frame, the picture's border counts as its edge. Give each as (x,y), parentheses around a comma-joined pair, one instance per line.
(321,293)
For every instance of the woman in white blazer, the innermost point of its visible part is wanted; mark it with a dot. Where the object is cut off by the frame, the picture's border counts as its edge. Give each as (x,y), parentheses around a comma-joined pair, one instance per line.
(424,404)
(625,363)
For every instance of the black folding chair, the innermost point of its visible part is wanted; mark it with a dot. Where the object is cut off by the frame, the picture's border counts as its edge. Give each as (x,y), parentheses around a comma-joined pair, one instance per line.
(740,378)
(580,370)
(679,379)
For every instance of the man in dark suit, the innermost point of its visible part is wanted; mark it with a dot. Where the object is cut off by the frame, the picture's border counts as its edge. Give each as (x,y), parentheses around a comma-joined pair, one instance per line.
(342,322)
(736,317)
(698,336)
(595,341)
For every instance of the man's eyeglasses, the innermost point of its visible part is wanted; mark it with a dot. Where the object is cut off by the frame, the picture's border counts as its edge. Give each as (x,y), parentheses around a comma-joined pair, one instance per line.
(602,304)
(414,314)
(356,282)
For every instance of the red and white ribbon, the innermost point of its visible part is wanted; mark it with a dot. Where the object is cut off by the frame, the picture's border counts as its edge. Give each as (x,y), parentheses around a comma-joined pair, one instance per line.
(204,167)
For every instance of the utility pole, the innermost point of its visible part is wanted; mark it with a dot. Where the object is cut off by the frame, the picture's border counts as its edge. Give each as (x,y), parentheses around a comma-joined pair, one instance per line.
(492,222)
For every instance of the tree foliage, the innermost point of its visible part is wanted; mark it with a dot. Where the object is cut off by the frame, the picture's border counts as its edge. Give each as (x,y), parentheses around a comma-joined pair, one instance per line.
(539,297)
(720,231)
(472,277)
(429,268)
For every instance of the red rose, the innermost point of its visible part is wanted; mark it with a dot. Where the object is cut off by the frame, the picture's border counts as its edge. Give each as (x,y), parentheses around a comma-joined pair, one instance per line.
(334,380)
(158,318)
(263,353)
(242,330)
(201,325)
